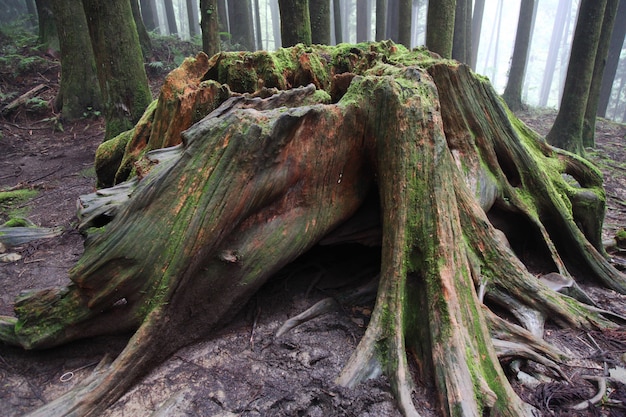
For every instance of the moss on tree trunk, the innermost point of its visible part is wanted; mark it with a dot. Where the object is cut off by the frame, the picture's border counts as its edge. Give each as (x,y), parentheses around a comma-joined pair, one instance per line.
(269,173)
(119,64)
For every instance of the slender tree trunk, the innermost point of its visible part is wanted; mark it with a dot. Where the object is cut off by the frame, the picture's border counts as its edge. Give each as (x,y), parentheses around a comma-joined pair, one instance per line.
(144,38)
(119,65)
(79,93)
(589,124)
(363,20)
(192,16)
(31,7)
(440,26)
(553,51)
(319,12)
(210,27)
(171,17)
(241,24)
(477,25)
(565,53)
(381,19)
(257,24)
(615,49)
(276,23)
(513,91)
(461,45)
(393,23)
(47,28)
(404,22)
(337,20)
(295,23)
(567,131)
(148,15)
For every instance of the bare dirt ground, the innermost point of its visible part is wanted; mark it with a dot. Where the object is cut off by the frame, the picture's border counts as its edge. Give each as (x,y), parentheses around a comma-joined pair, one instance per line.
(244,370)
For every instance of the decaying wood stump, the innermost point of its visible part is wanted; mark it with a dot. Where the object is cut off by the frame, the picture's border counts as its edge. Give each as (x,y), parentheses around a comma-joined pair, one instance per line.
(474,209)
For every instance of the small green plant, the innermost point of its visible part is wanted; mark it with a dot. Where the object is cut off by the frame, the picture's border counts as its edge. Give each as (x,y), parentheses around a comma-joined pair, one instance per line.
(37,104)
(90,113)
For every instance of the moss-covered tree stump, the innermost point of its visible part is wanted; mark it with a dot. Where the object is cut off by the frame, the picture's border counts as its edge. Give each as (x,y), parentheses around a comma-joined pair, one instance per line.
(476,216)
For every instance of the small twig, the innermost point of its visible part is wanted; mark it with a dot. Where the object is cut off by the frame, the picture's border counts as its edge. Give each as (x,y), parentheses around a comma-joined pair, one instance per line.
(252,331)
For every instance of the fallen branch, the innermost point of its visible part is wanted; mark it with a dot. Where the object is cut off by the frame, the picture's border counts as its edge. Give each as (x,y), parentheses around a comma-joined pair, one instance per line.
(21,100)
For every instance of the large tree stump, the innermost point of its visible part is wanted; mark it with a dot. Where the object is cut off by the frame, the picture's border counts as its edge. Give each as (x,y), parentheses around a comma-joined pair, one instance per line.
(474,210)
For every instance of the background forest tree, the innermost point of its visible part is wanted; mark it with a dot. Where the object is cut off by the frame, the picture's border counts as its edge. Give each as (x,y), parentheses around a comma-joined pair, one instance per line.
(492,35)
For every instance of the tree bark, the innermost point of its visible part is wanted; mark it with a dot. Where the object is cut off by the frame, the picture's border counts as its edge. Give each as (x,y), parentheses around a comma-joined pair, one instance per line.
(440,27)
(192,17)
(461,45)
(170,15)
(363,20)
(319,12)
(210,26)
(404,22)
(269,173)
(513,91)
(589,124)
(337,21)
(79,92)
(47,28)
(148,14)
(477,23)
(241,24)
(553,51)
(144,38)
(381,19)
(295,22)
(615,49)
(567,131)
(119,65)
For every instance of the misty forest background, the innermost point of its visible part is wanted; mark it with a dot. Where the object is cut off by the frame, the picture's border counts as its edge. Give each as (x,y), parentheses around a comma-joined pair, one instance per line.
(259,28)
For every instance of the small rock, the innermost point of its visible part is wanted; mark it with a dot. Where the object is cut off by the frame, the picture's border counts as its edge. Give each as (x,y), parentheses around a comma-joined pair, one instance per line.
(10,257)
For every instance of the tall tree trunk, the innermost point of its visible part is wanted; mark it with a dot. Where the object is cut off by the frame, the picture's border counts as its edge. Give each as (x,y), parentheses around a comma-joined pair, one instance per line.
(427,145)
(319,12)
(241,24)
(513,91)
(393,23)
(119,65)
(363,20)
(477,26)
(337,20)
(553,51)
(144,38)
(565,53)
(79,93)
(48,37)
(193,18)
(615,49)
(171,17)
(210,27)
(31,7)
(381,19)
(567,131)
(461,45)
(440,26)
(257,23)
(589,124)
(276,23)
(148,15)
(404,22)
(295,22)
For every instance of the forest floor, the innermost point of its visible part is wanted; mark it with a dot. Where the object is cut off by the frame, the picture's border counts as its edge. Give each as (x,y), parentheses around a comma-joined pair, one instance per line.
(244,370)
